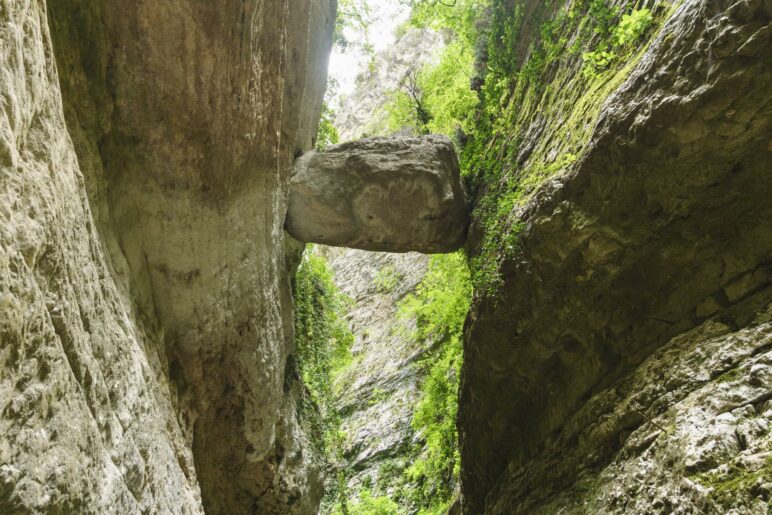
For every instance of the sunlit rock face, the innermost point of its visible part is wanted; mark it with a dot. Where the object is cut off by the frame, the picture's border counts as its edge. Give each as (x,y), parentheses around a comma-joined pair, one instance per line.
(624,364)
(361,113)
(394,194)
(376,397)
(145,309)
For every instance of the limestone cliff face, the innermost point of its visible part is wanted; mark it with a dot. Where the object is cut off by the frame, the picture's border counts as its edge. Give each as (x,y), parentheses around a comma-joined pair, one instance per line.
(145,312)
(624,366)
(377,393)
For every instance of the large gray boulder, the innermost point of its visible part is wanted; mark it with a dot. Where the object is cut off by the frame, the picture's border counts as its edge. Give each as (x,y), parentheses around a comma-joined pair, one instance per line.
(394,194)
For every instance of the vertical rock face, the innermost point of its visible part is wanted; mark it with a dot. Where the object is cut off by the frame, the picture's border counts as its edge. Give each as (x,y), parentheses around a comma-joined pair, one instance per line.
(377,393)
(572,398)
(146,314)
(87,423)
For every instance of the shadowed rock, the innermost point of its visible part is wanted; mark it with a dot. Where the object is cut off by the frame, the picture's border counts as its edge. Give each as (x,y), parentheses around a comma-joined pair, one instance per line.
(392,194)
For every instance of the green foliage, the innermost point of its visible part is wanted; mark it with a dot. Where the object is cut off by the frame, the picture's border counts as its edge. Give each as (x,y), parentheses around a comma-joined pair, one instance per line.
(438,98)
(540,78)
(439,308)
(403,113)
(322,337)
(448,98)
(602,15)
(323,345)
(458,16)
(327,134)
(632,27)
(369,505)
(441,301)
(386,279)
(597,60)
(500,240)
(352,26)
(618,41)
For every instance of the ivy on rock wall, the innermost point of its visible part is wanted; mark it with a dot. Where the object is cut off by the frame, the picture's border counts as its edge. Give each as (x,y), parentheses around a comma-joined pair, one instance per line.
(439,308)
(323,345)
(548,68)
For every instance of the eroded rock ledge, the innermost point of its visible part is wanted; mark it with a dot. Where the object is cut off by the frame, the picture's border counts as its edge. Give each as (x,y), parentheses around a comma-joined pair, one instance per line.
(393,194)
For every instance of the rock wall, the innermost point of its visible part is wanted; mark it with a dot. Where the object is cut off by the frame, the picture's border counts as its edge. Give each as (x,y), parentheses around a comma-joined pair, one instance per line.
(86,413)
(376,394)
(146,314)
(624,364)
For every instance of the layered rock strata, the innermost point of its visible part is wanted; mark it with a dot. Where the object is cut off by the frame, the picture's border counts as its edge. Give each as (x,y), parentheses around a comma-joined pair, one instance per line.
(394,194)
(376,395)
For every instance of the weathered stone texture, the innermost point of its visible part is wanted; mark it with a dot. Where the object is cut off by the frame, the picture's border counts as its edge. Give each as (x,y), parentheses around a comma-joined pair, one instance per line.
(689,431)
(146,307)
(394,194)
(661,226)
(377,394)
(86,419)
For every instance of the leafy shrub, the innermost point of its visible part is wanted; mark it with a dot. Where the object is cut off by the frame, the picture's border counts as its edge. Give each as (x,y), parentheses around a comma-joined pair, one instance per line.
(369,505)
(323,345)
(323,339)
(439,308)
(438,98)
(386,279)
(632,27)
(327,134)
(619,41)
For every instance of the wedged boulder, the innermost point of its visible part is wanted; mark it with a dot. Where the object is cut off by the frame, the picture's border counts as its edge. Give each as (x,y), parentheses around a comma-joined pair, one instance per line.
(394,194)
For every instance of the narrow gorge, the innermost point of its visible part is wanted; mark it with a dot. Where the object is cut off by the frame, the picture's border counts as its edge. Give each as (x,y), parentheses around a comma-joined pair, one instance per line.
(521,264)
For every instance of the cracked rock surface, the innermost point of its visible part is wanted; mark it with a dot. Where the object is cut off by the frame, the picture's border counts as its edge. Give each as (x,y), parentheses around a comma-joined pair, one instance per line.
(145,309)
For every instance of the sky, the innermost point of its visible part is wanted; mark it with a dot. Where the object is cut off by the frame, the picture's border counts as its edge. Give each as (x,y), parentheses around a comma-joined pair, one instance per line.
(386,15)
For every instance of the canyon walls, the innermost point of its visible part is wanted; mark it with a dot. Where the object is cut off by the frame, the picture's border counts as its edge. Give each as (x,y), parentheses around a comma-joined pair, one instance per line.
(617,353)
(376,394)
(147,318)
(619,360)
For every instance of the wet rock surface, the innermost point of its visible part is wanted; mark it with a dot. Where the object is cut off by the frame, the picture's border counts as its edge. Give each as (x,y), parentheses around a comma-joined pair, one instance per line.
(394,194)
(661,227)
